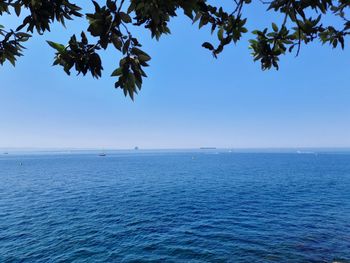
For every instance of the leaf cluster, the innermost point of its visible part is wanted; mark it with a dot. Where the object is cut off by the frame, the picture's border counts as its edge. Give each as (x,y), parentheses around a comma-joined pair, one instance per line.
(79,54)
(11,46)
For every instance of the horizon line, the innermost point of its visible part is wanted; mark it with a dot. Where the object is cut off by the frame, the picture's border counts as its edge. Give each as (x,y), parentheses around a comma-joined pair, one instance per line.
(203,148)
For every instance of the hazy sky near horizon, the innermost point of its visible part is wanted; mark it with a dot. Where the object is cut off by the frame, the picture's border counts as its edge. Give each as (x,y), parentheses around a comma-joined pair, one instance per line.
(189,99)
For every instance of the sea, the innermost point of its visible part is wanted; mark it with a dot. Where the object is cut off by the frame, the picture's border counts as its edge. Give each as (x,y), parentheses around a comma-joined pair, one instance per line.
(175,206)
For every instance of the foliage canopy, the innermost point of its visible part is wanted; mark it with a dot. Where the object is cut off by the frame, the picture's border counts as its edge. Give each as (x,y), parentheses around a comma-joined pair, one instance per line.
(110,23)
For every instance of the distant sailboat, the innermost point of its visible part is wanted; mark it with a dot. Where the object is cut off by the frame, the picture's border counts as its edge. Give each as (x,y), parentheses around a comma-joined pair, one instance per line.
(303,152)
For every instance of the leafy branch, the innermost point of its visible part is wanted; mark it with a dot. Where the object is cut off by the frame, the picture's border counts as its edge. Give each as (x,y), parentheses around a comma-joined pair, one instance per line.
(111,24)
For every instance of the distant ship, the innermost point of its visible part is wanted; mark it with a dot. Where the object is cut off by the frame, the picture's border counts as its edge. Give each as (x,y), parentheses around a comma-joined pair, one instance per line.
(102,154)
(208,148)
(136,148)
(6,153)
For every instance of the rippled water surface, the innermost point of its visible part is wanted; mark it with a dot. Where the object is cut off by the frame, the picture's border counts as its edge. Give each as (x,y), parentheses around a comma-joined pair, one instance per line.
(175,207)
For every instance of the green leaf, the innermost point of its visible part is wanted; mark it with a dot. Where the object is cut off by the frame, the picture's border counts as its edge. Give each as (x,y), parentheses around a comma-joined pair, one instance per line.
(197,17)
(97,7)
(17,9)
(125,17)
(22,34)
(221,34)
(207,45)
(117,72)
(57,46)
(274,27)
(144,58)
(111,5)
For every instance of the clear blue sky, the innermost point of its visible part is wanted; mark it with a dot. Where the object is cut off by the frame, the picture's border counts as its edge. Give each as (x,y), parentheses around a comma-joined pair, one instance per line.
(189,100)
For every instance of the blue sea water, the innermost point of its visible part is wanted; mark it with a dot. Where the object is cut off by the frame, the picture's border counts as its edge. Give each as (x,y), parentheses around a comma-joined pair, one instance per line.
(175,207)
